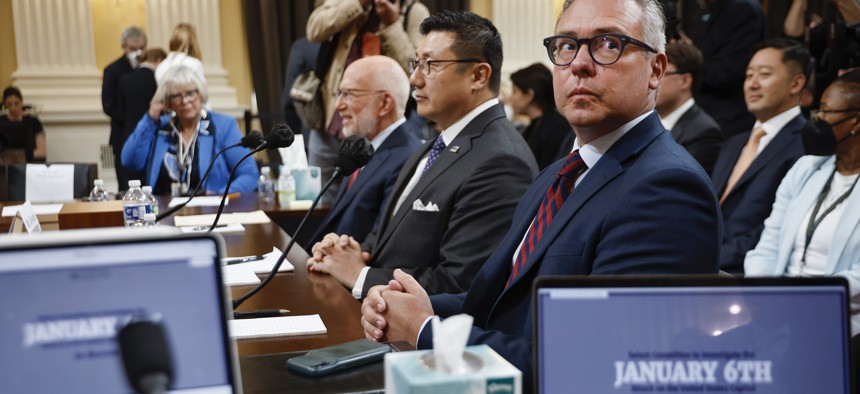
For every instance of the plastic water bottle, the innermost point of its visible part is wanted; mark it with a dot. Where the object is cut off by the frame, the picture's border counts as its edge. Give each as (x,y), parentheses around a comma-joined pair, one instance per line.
(134,205)
(149,220)
(99,192)
(152,202)
(286,187)
(266,186)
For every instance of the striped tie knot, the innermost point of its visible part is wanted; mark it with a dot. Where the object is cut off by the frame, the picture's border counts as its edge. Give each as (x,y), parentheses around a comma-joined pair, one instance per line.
(572,165)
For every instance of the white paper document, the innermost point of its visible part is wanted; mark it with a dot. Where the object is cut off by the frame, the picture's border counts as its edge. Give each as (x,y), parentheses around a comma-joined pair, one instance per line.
(276,326)
(239,277)
(221,228)
(199,201)
(226,218)
(50,183)
(260,266)
(40,209)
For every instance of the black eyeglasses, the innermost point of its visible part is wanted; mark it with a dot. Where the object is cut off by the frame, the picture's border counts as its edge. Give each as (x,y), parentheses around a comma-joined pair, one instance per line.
(177,98)
(816,115)
(604,49)
(425,66)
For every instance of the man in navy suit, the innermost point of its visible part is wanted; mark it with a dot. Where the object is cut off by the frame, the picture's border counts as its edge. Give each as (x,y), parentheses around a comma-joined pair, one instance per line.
(751,165)
(372,99)
(454,198)
(694,129)
(133,43)
(640,204)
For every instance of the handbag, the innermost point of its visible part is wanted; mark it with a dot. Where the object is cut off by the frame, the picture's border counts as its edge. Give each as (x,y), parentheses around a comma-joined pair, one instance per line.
(307,99)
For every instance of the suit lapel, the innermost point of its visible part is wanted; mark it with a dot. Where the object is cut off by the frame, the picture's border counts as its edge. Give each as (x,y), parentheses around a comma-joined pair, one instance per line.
(772,151)
(402,180)
(795,212)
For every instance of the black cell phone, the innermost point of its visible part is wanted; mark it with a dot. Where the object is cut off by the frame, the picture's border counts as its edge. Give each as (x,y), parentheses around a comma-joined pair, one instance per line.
(338,357)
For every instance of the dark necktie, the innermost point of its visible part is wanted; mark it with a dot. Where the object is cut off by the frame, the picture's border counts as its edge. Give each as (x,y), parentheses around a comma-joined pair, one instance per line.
(352,178)
(435,151)
(552,202)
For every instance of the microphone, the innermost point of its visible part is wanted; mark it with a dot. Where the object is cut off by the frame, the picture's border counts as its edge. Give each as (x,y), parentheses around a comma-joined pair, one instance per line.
(354,152)
(145,356)
(281,136)
(252,140)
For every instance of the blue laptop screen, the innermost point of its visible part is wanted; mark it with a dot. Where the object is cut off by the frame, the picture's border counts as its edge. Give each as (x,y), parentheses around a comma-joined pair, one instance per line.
(63,304)
(755,339)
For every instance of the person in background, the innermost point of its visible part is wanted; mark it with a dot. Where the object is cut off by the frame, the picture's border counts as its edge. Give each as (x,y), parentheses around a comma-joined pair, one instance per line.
(531,96)
(814,227)
(694,129)
(134,95)
(751,165)
(628,200)
(19,130)
(133,43)
(175,141)
(184,50)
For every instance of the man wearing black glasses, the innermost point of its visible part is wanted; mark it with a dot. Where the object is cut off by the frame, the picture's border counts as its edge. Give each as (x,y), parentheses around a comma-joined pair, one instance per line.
(454,198)
(627,200)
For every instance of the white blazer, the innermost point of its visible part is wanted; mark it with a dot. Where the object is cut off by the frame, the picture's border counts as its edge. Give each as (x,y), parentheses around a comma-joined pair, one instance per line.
(796,195)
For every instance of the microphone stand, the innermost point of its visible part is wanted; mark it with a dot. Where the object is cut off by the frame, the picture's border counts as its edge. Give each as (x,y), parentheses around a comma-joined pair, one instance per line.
(271,275)
(230,182)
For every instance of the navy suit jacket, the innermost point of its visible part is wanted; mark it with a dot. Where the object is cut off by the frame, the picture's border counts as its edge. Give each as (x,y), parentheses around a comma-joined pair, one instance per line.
(476,183)
(700,135)
(646,207)
(110,87)
(750,202)
(357,210)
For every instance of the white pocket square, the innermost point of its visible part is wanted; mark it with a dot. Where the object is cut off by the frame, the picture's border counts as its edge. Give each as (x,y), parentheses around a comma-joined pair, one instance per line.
(417,205)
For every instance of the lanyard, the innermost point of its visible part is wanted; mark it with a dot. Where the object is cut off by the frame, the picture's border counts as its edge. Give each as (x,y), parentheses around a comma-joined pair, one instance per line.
(814,221)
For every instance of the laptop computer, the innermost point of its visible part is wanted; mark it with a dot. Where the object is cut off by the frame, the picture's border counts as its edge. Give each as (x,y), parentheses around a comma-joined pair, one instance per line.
(66,293)
(691,334)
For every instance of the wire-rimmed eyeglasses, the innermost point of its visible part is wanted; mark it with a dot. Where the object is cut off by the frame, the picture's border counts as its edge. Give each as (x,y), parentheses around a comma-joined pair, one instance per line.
(604,49)
(349,94)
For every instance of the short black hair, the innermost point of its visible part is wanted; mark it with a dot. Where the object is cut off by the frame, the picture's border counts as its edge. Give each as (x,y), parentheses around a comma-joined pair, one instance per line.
(538,78)
(12,91)
(793,53)
(687,60)
(474,37)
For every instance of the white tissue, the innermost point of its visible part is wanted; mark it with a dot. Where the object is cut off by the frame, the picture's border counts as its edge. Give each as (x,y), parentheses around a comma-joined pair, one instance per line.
(449,342)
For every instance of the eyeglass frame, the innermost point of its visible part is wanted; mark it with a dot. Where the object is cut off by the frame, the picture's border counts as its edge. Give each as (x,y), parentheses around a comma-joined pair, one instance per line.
(415,64)
(348,95)
(178,98)
(816,114)
(589,40)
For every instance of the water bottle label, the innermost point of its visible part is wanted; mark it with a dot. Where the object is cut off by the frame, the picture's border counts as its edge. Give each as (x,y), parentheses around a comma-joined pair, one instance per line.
(134,212)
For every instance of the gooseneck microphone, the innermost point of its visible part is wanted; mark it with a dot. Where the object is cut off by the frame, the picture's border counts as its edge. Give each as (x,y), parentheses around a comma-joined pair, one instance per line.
(280,137)
(354,152)
(145,356)
(252,140)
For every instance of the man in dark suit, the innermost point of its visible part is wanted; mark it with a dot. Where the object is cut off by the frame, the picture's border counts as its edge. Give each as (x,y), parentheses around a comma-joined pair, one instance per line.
(751,165)
(454,198)
(695,130)
(373,95)
(133,43)
(639,204)
(134,94)
(727,41)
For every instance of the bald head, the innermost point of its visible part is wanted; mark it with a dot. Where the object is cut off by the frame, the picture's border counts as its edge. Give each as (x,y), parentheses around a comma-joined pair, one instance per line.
(374,91)
(384,73)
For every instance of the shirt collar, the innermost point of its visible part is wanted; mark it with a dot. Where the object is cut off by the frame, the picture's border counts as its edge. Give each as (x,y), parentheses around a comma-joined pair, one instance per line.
(594,150)
(672,118)
(454,130)
(773,125)
(382,136)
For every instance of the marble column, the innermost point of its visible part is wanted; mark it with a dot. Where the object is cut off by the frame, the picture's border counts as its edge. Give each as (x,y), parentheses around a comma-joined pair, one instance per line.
(523,25)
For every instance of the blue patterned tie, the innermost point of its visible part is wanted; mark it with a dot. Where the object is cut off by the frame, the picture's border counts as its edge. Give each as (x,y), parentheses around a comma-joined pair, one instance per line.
(551,203)
(435,151)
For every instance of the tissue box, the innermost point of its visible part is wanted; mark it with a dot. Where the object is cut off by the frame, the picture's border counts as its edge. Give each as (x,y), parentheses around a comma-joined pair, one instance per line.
(413,372)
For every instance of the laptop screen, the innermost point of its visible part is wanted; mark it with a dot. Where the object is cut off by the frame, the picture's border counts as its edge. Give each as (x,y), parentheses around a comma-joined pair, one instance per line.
(686,335)
(65,298)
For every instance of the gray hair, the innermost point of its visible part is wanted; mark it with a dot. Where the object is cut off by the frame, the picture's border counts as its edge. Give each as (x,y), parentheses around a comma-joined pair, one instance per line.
(132,33)
(653,26)
(177,78)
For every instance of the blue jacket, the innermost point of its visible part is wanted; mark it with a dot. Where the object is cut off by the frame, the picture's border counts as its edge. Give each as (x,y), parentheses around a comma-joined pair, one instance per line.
(147,145)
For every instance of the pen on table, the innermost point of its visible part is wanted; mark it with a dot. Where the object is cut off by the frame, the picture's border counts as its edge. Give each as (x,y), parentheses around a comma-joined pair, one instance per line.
(243,259)
(233,195)
(202,228)
(261,313)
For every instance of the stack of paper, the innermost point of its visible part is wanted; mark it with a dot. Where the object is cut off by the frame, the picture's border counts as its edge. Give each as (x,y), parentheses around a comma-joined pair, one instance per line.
(276,326)
(238,274)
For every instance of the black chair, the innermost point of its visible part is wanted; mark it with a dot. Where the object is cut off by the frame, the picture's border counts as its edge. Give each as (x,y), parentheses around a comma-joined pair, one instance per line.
(16,180)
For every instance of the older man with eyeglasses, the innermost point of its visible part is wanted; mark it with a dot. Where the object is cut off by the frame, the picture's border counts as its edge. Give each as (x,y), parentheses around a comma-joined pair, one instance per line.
(454,198)
(627,200)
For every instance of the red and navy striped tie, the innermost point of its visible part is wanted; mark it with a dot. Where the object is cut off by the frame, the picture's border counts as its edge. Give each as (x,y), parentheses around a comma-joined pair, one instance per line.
(552,202)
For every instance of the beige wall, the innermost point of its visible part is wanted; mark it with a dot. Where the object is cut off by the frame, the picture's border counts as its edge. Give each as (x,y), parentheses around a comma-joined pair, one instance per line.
(110,17)
(482,7)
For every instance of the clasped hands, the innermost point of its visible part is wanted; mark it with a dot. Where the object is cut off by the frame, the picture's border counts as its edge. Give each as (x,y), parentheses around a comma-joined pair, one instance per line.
(397,311)
(339,256)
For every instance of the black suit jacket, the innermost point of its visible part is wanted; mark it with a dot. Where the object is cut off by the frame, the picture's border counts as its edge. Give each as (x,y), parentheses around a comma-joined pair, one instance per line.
(545,135)
(110,86)
(357,210)
(134,94)
(476,183)
(750,202)
(697,132)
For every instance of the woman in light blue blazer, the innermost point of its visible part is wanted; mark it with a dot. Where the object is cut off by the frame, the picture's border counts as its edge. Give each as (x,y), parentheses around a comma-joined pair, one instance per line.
(823,188)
